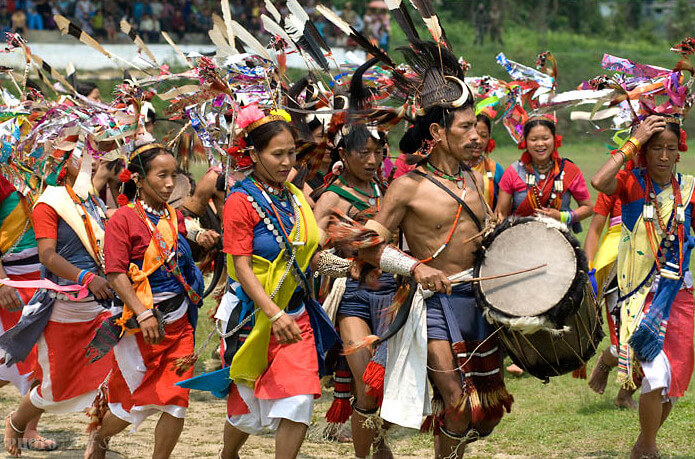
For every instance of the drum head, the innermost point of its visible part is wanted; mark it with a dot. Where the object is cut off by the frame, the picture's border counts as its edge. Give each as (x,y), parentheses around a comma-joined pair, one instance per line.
(522,246)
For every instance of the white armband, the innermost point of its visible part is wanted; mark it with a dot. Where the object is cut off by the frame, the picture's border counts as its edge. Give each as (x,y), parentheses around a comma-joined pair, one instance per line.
(396,262)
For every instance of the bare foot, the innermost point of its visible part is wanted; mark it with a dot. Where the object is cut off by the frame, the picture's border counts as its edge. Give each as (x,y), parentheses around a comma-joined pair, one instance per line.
(515,370)
(599,375)
(624,399)
(381,450)
(13,437)
(36,442)
(96,447)
(640,452)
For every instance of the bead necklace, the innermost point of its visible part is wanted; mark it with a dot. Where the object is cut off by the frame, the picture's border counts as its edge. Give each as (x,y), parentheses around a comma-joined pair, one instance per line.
(373,198)
(535,190)
(668,228)
(281,194)
(164,213)
(290,251)
(458,178)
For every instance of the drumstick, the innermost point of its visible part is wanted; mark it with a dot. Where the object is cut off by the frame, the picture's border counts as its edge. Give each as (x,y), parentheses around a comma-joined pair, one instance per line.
(498,276)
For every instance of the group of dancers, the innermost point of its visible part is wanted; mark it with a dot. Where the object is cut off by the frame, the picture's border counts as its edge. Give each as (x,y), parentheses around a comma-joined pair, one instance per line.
(325,246)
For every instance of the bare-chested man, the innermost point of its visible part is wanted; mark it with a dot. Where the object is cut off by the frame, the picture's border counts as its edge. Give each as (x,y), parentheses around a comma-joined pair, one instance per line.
(441,212)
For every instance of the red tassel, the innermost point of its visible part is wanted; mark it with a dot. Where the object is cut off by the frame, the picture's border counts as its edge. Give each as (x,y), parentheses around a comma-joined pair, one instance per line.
(579,373)
(122,200)
(491,145)
(373,378)
(365,343)
(340,411)
(521,145)
(427,425)
(98,410)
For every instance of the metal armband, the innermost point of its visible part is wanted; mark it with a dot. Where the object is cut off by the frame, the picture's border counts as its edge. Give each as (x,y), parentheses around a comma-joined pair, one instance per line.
(396,262)
(332,265)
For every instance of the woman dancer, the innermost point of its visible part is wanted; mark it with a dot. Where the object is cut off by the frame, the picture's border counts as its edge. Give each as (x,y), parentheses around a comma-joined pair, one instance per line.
(541,182)
(68,224)
(149,264)
(270,236)
(481,162)
(653,260)
(357,191)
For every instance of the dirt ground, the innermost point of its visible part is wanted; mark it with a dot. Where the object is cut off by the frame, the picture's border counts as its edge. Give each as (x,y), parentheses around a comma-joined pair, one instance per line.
(202,435)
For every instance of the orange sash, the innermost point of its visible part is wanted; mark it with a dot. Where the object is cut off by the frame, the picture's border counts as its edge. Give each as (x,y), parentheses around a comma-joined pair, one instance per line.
(151,262)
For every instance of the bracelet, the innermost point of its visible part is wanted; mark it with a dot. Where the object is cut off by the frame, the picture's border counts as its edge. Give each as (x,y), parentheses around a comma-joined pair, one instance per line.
(629,149)
(635,142)
(144,315)
(80,277)
(412,270)
(88,279)
(396,262)
(276,316)
(332,265)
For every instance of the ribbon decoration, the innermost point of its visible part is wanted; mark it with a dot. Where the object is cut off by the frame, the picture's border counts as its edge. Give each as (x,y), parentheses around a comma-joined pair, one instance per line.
(45,284)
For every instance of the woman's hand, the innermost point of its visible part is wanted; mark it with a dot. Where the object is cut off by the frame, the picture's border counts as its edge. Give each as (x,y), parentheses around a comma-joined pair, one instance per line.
(286,330)
(653,124)
(101,288)
(150,330)
(549,212)
(9,299)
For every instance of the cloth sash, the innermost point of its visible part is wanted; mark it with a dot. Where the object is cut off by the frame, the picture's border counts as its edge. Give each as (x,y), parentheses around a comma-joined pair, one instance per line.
(16,224)
(605,257)
(636,268)
(58,198)
(251,360)
(568,175)
(487,168)
(406,396)
(151,262)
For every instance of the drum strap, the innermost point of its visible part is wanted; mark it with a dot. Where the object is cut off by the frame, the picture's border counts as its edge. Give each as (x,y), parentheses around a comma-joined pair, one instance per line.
(460,201)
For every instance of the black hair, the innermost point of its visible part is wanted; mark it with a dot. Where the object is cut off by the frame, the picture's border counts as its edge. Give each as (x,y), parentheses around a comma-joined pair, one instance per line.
(260,137)
(86,88)
(485,119)
(436,115)
(538,122)
(410,142)
(675,128)
(141,165)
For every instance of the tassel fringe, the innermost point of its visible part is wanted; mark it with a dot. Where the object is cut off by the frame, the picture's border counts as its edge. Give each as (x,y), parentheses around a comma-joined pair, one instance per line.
(373,378)
(98,410)
(579,373)
(365,343)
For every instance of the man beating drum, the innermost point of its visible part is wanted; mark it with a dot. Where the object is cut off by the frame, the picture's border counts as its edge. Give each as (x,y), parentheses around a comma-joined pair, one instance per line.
(442,213)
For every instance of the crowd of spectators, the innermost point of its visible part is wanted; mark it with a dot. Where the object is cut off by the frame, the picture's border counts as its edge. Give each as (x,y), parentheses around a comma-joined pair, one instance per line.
(181,18)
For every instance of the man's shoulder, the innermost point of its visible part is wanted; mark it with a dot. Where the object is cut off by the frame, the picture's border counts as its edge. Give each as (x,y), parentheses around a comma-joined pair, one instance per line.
(405,186)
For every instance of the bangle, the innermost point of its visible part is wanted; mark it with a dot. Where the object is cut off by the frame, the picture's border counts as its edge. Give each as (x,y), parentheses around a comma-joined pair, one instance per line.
(635,142)
(412,270)
(276,316)
(144,315)
(80,276)
(89,277)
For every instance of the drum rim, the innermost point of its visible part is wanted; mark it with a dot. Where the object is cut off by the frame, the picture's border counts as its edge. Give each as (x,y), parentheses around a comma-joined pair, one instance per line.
(565,307)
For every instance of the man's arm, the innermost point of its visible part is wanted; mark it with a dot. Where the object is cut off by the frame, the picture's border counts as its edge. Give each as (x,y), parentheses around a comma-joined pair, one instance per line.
(388,258)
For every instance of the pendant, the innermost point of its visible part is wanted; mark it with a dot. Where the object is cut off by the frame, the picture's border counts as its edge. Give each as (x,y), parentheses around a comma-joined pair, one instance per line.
(459,183)
(372,201)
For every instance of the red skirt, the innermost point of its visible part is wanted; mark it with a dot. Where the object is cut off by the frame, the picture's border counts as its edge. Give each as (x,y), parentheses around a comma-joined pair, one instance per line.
(68,379)
(144,377)
(678,342)
(293,369)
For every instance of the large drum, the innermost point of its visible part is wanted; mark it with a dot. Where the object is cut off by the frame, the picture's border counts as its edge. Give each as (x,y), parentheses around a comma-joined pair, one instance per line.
(548,318)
